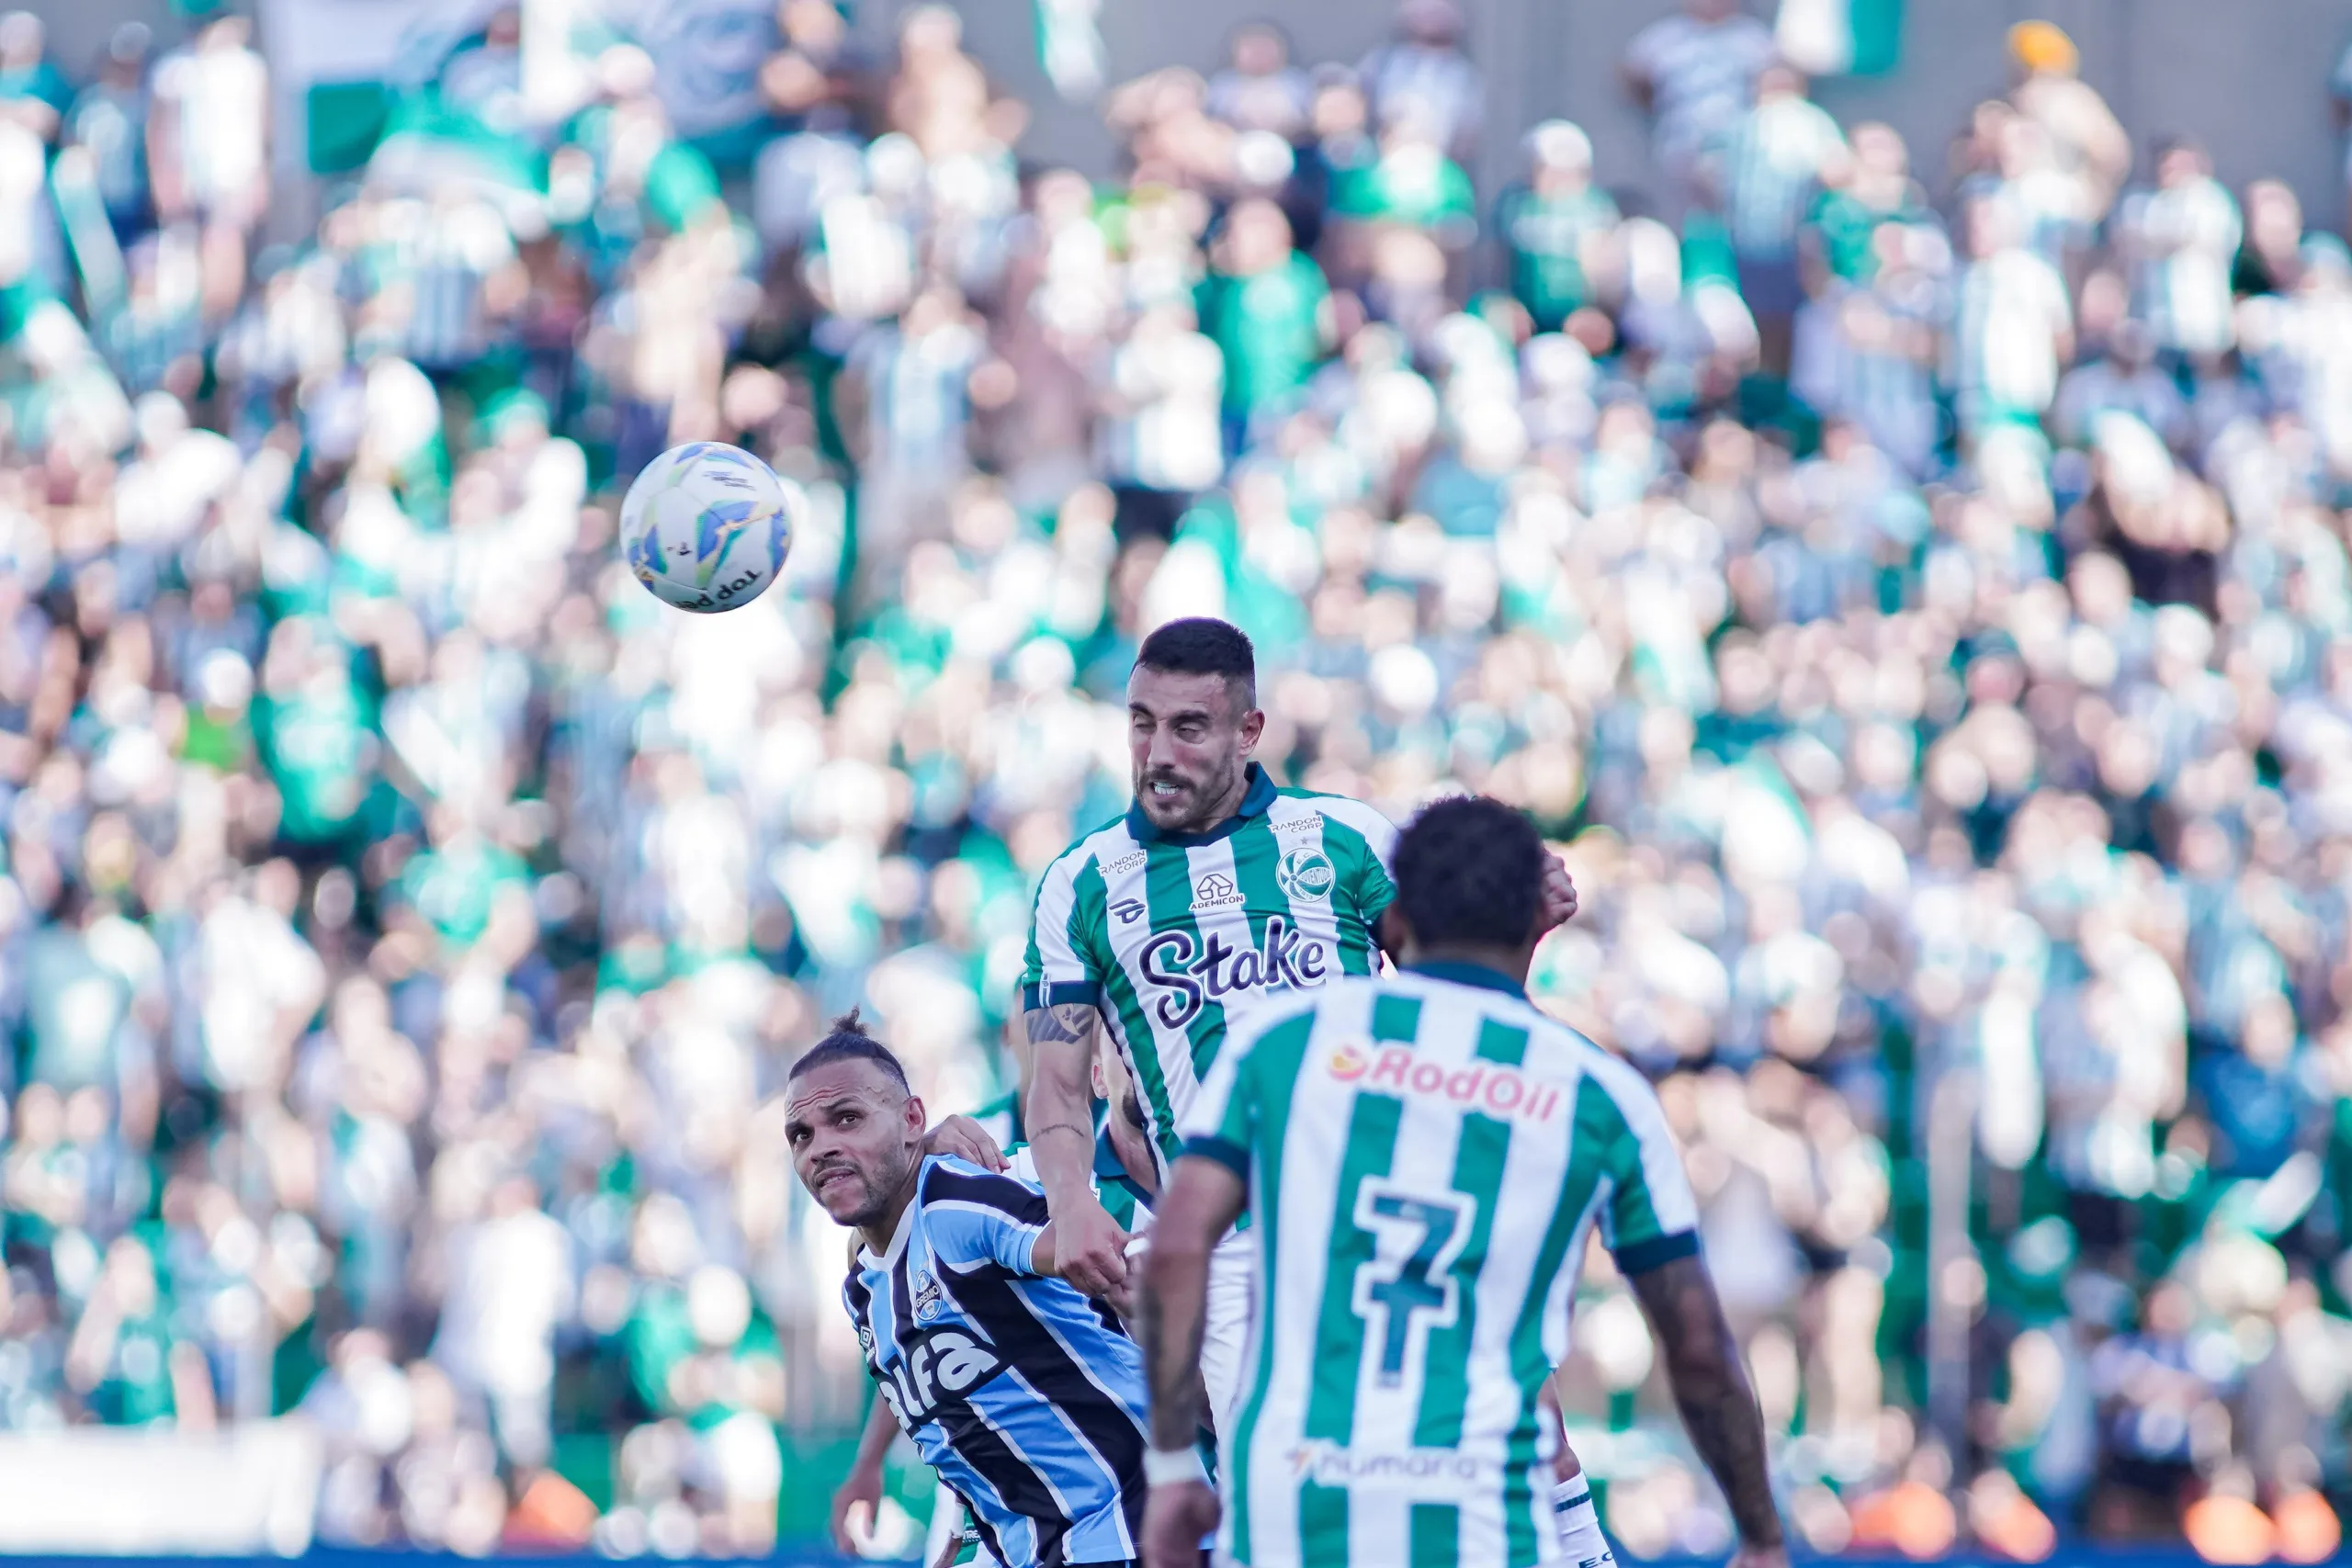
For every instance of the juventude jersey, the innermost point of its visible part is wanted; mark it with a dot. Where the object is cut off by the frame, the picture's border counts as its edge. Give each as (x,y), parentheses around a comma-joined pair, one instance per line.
(1424,1156)
(1176,937)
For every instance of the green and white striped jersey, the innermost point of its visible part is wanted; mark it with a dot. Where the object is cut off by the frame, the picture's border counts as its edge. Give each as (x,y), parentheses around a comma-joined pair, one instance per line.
(1176,937)
(1424,1156)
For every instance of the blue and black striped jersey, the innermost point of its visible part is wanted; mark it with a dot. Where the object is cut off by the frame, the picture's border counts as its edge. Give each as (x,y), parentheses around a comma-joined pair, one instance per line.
(1027,1397)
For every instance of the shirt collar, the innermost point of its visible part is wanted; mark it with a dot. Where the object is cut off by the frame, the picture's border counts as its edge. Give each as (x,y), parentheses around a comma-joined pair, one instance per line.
(1477,974)
(1256,797)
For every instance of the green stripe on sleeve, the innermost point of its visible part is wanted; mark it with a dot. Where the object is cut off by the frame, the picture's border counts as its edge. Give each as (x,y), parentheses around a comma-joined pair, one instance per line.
(1233,1156)
(1655,1253)
(1363,892)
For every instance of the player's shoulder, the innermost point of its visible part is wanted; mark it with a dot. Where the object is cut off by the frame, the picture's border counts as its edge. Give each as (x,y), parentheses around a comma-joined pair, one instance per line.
(1103,849)
(1297,808)
(1104,841)
(1559,1049)
(953,1182)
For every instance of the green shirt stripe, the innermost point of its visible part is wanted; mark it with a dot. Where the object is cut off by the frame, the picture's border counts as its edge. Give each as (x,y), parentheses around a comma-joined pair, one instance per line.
(1268,1078)
(1477,1175)
(1436,1534)
(1595,1124)
(1339,1340)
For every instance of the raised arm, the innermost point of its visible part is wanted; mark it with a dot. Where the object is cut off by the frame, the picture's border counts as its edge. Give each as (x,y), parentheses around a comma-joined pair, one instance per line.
(1089,1247)
(1711,1389)
(1204,1198)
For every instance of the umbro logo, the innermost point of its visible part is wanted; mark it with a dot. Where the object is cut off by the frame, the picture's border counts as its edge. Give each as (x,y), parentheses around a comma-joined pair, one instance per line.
(1129,910)
(1215,891)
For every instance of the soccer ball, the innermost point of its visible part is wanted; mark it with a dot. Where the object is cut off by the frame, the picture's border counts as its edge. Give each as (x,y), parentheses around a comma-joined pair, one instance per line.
(707,526)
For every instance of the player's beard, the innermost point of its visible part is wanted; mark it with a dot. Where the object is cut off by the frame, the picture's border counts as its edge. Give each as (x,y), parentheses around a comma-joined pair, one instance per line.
(1193,806)
(877,1188)
(1132,1109)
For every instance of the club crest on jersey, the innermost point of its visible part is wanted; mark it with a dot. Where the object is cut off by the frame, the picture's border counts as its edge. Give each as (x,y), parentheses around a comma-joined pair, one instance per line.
(927,1298)
(1215,891)
(1494,1087)
(1189,971)
(1305,875)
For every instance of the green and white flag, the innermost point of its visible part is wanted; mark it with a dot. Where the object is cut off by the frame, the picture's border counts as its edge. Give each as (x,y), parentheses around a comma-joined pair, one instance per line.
(1070,47)
(337,67)
(1840,37)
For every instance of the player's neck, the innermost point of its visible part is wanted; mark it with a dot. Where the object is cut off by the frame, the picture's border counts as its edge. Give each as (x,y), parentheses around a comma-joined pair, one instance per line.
(1228,807)
(885,1228)
(1509,962)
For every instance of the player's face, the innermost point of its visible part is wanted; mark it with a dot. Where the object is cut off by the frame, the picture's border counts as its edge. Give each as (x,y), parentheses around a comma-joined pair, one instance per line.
(1189,740)
(853,1136)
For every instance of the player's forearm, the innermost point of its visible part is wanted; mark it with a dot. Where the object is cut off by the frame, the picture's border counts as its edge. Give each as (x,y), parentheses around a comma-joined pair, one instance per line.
(872,1443)
(1711,1390)
(1173,1308)
(1060,1110)
(1566,1466)
(1729,1432)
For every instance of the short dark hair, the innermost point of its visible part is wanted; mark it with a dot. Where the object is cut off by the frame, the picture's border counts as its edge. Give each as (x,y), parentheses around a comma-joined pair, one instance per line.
(849,1041)
(1470,870)
(1203,645)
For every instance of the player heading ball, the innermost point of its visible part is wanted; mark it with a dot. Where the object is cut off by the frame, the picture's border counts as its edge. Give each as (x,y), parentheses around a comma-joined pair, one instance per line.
(1216,895)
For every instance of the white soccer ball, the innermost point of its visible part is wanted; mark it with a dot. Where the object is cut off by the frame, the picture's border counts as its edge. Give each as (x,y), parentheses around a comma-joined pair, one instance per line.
(707,526)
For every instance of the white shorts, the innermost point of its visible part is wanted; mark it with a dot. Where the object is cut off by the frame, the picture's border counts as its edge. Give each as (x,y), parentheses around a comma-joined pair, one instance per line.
(1225,1329)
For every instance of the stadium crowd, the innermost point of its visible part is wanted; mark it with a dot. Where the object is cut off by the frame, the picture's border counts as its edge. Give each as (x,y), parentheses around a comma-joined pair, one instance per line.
(1913,591)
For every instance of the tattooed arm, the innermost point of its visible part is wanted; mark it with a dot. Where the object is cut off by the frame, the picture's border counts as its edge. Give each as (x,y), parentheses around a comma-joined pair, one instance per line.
(1089,1247)
(1711,1388)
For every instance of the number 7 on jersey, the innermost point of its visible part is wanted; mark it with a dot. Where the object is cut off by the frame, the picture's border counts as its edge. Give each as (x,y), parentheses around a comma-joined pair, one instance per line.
(1407,1288)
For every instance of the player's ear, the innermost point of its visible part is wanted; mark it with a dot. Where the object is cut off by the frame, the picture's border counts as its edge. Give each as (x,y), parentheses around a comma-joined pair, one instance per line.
(1254,721)
(917,1118)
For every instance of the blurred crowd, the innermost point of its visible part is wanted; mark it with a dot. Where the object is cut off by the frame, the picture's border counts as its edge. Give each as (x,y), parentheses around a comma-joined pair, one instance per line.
(1909,582)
